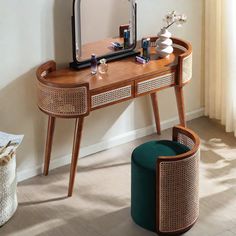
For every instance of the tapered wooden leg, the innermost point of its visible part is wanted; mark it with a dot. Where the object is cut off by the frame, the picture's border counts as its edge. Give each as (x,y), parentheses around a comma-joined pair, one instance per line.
(156,112)
(75,153)
(50,131)
(180,104)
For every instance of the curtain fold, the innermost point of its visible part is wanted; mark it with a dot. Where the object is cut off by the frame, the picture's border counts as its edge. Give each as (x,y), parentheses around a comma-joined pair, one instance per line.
(220,62)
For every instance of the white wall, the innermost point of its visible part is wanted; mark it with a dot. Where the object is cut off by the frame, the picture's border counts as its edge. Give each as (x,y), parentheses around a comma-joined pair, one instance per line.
(112,16)
(32,32)
(150,20)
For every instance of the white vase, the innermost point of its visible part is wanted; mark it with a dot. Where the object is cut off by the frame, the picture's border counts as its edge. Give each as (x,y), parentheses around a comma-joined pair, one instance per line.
(164,44)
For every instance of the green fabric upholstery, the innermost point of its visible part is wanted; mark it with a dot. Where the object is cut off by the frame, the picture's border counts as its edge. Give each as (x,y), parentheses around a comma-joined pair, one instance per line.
(143,176)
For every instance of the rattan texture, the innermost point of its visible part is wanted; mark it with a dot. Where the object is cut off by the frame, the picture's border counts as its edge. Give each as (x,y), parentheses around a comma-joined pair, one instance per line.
(187,68)
(179,194)
(185,140)
(8,195)
(63,101)
(111,96)
(156,83)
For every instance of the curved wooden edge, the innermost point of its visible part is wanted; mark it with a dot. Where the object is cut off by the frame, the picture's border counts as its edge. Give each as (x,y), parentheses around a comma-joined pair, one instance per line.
(44,69)
(179,232)
(63,116)
(183,43)
(187,53)
(176,130)
(189,133)
(48,67)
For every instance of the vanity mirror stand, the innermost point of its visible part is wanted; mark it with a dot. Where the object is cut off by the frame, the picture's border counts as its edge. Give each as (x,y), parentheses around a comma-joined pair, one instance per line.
(102,48)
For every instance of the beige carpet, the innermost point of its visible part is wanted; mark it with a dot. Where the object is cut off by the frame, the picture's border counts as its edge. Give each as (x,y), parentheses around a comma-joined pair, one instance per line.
(101,202)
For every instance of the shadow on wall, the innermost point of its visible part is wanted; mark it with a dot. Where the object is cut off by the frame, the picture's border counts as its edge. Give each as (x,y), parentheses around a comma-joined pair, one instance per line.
(62,31)
(20,115)
(18,107)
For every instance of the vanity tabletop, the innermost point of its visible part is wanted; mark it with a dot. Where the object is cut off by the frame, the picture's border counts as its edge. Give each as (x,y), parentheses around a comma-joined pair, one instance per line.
(119,72)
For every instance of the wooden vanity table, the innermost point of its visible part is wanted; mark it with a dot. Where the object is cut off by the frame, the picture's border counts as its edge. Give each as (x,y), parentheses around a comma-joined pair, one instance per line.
(68,93)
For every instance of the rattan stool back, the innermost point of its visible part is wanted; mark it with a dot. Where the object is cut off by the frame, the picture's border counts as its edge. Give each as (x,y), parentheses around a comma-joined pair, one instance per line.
(177,190)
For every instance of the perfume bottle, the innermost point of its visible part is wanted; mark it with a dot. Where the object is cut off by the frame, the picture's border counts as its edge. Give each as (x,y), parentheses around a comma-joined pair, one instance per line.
(103,67)
(146,48)
(126,39)
(94,64)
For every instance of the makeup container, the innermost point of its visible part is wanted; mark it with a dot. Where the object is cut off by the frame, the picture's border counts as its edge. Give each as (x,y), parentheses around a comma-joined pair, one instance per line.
(103,67)
(116,46)
(142,60)
(146,48)
(94,64)
(126,39)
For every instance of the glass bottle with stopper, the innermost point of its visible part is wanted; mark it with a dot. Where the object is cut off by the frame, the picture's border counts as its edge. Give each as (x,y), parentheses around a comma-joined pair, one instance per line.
(103,67)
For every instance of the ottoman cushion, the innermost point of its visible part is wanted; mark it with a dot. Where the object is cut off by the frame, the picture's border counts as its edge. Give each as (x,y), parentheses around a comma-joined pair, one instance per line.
(143,175)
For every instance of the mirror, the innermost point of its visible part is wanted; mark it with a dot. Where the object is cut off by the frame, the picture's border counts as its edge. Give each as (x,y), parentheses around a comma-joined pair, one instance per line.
(106,28)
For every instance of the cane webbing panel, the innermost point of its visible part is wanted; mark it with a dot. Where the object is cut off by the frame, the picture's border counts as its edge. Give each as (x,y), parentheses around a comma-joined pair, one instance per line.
(179,194)
(155,83)
(63,101)
(111,96)
(185,140)
(187,68)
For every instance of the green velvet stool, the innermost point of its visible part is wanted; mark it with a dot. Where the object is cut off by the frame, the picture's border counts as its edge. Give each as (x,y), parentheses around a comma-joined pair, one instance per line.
(164,190)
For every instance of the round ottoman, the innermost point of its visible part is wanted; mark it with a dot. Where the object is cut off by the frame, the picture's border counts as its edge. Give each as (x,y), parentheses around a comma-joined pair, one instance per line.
(164,189)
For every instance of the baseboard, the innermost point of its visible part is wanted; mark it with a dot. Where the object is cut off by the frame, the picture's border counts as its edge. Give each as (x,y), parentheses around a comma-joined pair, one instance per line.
(101,146)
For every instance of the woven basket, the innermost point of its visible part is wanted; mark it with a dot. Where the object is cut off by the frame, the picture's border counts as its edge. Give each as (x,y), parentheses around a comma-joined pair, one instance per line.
(8,183)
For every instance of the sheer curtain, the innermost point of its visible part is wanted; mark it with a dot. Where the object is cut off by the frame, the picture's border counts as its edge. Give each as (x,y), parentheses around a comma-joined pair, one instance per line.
(220,61)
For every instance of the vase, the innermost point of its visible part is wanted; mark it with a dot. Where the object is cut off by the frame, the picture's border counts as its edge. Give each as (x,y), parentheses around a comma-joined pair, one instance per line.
(164,44)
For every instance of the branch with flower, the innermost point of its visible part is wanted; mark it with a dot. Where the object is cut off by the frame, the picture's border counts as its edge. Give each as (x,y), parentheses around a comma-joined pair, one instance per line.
(172,18)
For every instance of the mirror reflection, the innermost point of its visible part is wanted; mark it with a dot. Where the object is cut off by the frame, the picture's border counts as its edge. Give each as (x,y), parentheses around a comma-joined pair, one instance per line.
(103,33)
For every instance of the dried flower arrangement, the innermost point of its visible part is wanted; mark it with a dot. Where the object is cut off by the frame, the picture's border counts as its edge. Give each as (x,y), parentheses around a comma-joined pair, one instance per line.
(164,43)
(172,18)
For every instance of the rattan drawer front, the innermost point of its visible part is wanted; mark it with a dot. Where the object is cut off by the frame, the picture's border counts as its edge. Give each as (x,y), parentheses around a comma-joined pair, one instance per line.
(187,68)
(111,96)
(179,194)
(155,83)
(63,101)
